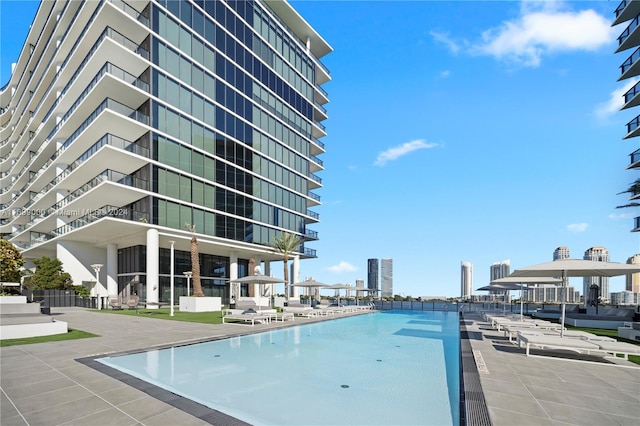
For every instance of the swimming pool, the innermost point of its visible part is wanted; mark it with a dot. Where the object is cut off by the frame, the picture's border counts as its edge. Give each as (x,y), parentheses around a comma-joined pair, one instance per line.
(393,367)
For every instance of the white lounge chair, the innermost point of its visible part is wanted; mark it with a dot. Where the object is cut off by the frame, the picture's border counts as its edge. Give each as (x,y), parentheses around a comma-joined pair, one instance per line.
(252,318)
(618,348)
(556,342)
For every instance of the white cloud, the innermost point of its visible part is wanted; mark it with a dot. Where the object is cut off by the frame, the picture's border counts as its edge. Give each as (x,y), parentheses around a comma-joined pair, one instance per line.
(621,216)
(445,73)
(527,38)
(542,28)
(342,267)
(398,151)
(578,227)
(615,101)
(444,39)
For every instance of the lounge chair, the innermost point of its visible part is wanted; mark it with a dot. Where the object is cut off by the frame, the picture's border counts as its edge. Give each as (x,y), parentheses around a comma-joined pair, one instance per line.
(618,348)
(114,302)
(252,318)
(557,343)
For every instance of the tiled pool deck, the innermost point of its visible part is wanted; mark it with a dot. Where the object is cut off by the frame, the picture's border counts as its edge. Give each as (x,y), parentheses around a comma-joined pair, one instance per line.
(43,384)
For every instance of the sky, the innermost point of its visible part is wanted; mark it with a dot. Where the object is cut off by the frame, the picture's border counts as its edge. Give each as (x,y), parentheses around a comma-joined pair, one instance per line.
(476,131)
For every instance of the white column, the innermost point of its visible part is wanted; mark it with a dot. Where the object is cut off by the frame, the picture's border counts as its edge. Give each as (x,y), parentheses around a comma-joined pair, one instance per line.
(267,272)
(234,291)
(153,267)
(295,276)
(112,269)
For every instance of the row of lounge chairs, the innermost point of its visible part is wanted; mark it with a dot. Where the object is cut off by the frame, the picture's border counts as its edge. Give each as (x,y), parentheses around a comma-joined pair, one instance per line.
(250,313)
(539,334)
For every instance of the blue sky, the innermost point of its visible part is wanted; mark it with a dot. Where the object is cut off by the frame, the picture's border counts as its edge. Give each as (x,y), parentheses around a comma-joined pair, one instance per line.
(460,131)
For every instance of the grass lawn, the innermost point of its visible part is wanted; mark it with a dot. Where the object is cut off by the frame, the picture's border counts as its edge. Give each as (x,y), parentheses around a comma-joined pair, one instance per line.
(164,313)
(609,333)
(70,335)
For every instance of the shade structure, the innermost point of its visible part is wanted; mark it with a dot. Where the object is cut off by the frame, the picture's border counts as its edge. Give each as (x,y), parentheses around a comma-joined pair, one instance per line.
(257,279)
(520,282)
(500,287)
(340,287)
(575,268)
(309,284)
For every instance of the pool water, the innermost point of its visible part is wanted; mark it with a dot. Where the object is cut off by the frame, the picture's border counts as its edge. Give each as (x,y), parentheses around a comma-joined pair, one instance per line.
(384,368)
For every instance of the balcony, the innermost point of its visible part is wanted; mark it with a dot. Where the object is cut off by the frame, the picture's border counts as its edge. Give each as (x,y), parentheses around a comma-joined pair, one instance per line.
(635,160)
(629,37)
(627,9)
(636,224)
(630,68)
(633,128)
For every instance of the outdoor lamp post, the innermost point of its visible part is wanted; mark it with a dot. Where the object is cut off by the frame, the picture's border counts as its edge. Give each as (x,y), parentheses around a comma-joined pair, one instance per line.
(96,267)
(188,274)
(171,282)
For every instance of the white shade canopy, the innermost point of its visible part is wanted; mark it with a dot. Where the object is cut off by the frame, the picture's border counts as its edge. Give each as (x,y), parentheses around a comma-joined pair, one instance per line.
(257,279)
(575,268)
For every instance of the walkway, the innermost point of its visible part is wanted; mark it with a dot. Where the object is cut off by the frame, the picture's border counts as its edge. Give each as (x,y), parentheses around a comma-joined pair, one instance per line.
(543,390)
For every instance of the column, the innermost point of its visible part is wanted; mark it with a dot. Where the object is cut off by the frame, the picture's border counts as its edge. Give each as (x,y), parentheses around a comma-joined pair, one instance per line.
(234,291)
(153,267)
(295,276)
(112,269)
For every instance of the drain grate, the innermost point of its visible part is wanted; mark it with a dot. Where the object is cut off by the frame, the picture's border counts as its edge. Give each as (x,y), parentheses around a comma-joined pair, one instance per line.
(473,407)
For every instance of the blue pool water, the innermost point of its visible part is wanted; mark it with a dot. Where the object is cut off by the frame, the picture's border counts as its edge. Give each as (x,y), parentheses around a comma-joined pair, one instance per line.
(385,368)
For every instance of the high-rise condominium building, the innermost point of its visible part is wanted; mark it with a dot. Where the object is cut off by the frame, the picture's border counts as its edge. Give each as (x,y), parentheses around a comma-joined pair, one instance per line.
(599,254)
(129,126)
(466,280)
(561,252)
(628,12)
(386,277)
(633,280)
(373,274)
(500,269)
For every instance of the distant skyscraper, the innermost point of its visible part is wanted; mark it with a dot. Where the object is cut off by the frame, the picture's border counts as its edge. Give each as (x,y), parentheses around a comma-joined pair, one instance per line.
(500,269)
(599,254)
(466,280)
(561,252)
(633,280)
(373,272)
(386,275)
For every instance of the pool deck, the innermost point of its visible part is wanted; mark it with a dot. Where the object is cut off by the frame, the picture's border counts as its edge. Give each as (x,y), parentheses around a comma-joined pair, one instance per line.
(544,390)
(43,384)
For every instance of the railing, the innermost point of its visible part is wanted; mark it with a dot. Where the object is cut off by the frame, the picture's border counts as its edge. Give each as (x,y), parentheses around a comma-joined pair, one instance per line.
(635,156)
(631,93)
(97,214)
(636,221)
(310,252)
(311,234)
(315,178)
(627,32)
(319,161)
(131,11)
(630,61)
(313,196)
(106,104)
(633,124)
(620,7)
(313,214)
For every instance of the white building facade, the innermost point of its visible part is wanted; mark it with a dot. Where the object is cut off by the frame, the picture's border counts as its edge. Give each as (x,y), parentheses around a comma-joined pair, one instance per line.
(466,280)
(124,123)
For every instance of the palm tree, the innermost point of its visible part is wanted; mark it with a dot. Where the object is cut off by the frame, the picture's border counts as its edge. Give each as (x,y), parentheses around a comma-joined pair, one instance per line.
(195,262)
(633,189)
(286,244)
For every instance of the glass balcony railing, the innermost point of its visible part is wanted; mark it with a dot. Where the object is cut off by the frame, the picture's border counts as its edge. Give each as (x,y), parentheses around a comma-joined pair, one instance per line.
(627,32)
(633,124)
(313,196)
(311,234)
(99,213)
(310,252)
(631,60)
(317,160)
(635,156)
(631,93)
(620,7)
(313,214)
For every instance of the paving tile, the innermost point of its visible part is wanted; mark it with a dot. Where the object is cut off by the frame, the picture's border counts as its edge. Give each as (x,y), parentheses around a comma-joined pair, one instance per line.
(501,417)
(144,408)
(516,403)
(16,390)
(63,413)
(174,417)
(577,415)
(108,417)
(44,400)
(13,421)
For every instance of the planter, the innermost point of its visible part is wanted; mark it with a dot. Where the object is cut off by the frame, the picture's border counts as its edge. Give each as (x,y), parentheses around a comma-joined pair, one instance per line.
(200,304)
(12,299)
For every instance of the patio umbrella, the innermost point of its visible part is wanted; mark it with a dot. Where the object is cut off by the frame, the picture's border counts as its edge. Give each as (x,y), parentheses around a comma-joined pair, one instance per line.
(309,284)
(500,287)
(257,279)
(525,281)
(575,268)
